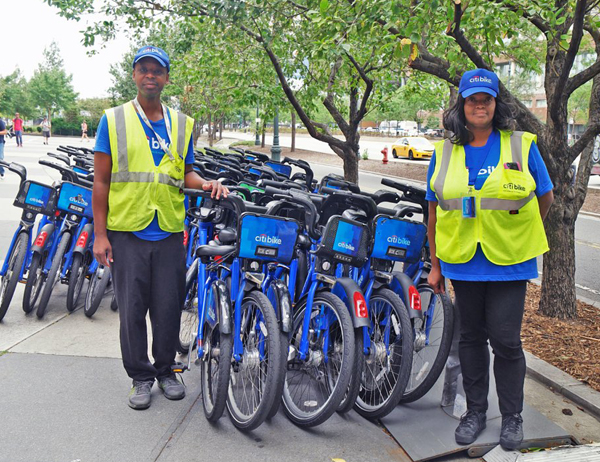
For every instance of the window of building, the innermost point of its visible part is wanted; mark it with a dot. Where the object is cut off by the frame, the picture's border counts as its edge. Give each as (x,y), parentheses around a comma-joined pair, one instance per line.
(527,102)
(541,103)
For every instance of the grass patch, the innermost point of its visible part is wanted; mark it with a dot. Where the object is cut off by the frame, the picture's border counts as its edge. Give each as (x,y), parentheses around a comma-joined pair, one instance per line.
(242,143)
(3,352)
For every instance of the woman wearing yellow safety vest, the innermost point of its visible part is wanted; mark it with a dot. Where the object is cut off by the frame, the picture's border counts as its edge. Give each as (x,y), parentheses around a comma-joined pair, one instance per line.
(143,159)
(488,191)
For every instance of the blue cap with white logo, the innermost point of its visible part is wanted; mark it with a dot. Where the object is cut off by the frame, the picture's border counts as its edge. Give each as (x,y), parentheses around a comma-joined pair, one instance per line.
(153,52)
(478,81)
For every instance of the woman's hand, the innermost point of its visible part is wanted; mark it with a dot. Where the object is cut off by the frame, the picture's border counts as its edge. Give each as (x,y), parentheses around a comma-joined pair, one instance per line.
(436,280)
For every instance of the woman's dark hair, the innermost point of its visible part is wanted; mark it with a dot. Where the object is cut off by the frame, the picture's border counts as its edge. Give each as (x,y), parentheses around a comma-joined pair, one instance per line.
(454,120)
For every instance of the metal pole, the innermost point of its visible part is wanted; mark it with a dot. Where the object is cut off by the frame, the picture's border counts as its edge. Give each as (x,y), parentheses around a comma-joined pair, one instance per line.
(257,139)
(275,148)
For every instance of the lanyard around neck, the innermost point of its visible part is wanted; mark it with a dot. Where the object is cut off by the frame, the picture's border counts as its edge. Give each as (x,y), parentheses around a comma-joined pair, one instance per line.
(161,142)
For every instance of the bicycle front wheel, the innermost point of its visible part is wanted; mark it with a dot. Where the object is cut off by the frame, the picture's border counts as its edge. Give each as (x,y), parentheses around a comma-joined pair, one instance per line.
(9,281)
(433,339)
(96,289)
(315,385)
(77,277)
(387,368)
(51,280)
(253,379)
(188,325)
(35,282)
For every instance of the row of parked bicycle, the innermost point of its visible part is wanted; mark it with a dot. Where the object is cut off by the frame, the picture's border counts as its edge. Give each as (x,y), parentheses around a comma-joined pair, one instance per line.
(308,294)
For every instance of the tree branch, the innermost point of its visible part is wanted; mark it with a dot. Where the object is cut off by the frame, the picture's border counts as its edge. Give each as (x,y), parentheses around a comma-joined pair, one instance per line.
(579,79)
(462,41)
(534,19)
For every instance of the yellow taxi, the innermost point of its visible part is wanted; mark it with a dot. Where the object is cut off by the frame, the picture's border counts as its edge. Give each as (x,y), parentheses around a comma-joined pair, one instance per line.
(413,147)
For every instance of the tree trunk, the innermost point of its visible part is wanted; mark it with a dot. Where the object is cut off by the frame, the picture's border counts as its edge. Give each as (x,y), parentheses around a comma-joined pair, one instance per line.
(558,298)
(197,131)
(209,130)
(264,129)
(350,158)
(221,129)
(293,148)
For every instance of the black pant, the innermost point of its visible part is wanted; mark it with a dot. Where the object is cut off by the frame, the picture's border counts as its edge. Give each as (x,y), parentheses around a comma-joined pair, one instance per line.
(148,276)
(494,311)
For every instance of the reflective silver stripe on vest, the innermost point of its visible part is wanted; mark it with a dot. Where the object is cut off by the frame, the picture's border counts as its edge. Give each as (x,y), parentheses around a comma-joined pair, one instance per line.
(121,139)
(181,125)
(135,177)
(166,179)
(516,147)
(438,184)
(450,204)
(505,204)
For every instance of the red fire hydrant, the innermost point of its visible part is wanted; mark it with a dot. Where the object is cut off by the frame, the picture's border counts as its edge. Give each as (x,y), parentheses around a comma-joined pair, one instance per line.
(384,151)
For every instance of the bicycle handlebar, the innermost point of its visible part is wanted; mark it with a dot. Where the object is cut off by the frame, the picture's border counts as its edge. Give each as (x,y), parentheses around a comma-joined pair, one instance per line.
(16,168)
(231,202)
(67,173)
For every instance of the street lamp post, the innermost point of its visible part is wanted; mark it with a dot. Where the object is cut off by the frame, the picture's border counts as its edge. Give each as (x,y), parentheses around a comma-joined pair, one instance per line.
(257,140)
(275,148)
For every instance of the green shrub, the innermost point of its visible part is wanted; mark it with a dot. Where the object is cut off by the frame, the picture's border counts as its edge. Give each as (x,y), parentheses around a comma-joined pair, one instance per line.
(39,129)
(242,143)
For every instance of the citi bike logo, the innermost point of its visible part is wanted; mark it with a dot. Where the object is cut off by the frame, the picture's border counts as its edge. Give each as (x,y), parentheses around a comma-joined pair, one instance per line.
(78,199)
(36,200)
(346,245)
(480,79)
(513,187)
(398,240)
(264,239)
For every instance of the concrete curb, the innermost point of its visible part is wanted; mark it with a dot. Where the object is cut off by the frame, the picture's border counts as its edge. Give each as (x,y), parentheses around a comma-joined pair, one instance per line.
(561,382)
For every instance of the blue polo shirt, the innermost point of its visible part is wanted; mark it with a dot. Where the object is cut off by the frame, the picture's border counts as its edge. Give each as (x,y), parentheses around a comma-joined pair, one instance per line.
(152,232)
(481,161)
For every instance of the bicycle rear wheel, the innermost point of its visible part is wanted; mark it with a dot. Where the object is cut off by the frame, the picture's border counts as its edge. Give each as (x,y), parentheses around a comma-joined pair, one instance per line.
(253,379)
(357,372)
(433,339)
(77,277)
(98,283)
(387,368)
(51,280)
(188,325)
(13,272)
(35,282)
(314,387)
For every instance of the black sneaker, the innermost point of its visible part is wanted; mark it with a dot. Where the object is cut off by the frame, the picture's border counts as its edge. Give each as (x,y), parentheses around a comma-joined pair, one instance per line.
(140,394)
(511,434)
(471,425)
(171,387)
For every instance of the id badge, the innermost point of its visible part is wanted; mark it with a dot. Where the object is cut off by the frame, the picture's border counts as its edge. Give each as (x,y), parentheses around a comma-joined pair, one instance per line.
(468,207)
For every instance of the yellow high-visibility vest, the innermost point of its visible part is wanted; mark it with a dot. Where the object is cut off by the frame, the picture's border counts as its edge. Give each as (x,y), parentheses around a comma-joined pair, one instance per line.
(507,222)
(139,188)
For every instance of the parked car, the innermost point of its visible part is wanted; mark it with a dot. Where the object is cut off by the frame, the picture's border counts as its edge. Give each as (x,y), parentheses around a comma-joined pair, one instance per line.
(415,147)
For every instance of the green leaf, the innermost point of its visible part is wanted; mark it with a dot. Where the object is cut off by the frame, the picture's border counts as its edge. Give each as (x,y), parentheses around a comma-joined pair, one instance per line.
(561,20)
(324,6)
(415,37)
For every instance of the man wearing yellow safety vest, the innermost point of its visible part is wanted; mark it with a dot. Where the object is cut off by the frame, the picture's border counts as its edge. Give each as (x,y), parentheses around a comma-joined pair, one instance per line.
(488,191)
(143,160)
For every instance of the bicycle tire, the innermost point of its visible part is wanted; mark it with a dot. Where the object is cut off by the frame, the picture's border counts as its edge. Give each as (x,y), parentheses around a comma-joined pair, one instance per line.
(285,342)
(387,369)
(9,281)
(349,399)
(77,277)
(215,371)
(188,325)
(429,361)
(35,282)
(96,290)
(310,412)
(57,262)
(261,358)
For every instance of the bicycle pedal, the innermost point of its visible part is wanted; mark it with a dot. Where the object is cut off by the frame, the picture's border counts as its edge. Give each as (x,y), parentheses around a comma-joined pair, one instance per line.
(179,368)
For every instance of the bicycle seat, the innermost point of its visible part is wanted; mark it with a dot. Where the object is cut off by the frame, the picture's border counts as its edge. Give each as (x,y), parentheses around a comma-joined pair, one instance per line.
(214,250)
(357,215)
(227,236)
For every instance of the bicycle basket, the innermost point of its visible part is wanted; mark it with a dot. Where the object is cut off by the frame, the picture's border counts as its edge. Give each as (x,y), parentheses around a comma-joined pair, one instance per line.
(398,239)
(267,238)
(36,197)
(74,198)
(283,169)
(344,240)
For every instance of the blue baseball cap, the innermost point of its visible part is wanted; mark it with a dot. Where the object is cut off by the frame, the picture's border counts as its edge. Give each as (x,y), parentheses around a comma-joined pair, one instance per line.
(153,52)
(478,81)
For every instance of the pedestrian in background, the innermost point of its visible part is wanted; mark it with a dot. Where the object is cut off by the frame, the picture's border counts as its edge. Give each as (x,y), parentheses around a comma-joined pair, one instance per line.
(3,131)
(46,129)
(18,129)
(488,191)
(84,129)
(143,159)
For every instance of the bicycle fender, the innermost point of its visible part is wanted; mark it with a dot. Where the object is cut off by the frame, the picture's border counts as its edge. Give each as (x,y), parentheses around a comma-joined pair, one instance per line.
(84,238)
(284,304)
(401,284)
(349,292)
(43,238)
(223,305)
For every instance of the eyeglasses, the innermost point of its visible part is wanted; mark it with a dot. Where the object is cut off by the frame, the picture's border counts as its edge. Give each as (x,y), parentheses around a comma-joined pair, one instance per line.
(157,72)
(472,101)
